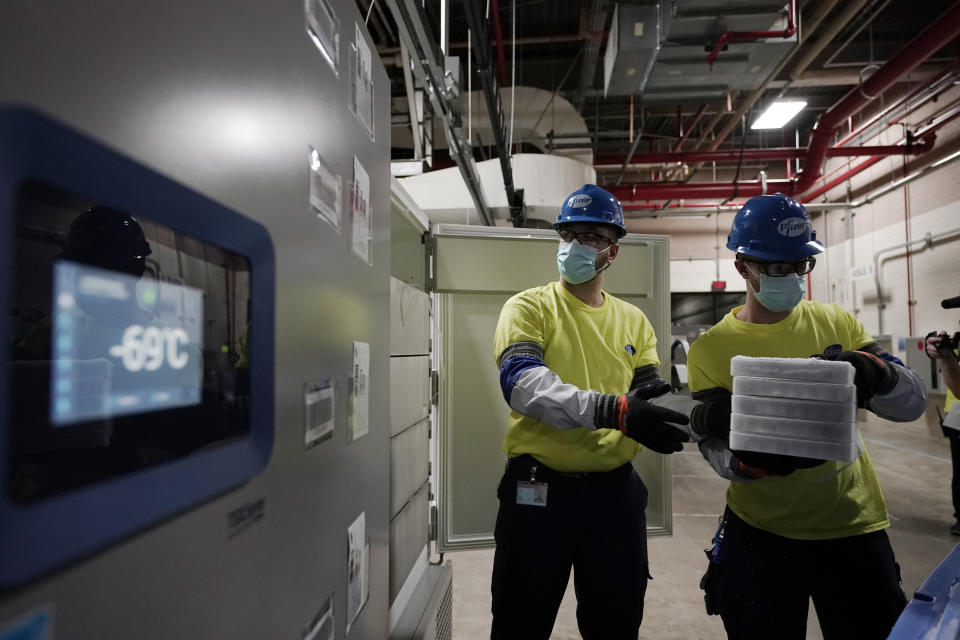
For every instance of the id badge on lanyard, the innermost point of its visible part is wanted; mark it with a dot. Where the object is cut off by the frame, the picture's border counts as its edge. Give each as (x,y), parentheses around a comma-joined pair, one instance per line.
(532,493)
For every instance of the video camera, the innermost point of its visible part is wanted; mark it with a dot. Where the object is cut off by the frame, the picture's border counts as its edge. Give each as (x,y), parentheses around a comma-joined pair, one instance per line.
(947,341)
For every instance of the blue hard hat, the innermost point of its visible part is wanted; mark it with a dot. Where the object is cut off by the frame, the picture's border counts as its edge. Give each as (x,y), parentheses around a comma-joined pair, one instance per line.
(590,203)
(774,227)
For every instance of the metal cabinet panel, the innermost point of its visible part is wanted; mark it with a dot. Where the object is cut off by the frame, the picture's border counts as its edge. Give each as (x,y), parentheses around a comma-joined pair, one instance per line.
(409,319)
(409,464)
(409,391)
(471,413)
(408,536)
(227,98)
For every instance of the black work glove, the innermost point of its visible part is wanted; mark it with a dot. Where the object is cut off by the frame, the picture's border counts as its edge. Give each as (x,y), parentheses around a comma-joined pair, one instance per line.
(636,418)
(648,424)
(872,376)
(712,417)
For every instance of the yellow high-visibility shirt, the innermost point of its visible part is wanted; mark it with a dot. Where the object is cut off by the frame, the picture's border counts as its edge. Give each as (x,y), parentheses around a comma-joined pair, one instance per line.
(833,500)
(590,348)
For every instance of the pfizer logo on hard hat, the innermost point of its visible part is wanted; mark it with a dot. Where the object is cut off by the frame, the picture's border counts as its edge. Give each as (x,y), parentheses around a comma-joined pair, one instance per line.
(792,227)
(579,201)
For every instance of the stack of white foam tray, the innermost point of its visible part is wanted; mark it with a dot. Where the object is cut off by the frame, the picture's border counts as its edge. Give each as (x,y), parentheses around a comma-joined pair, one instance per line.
(795,406)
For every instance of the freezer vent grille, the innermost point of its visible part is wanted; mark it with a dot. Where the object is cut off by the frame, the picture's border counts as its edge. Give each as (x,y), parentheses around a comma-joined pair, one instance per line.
(444,619)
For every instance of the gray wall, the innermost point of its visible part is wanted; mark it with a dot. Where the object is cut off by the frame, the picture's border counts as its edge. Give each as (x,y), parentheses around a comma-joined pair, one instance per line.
(225,97)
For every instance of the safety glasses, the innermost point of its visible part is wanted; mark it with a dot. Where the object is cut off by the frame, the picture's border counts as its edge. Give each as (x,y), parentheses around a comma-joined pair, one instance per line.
(779,269)
(587,238)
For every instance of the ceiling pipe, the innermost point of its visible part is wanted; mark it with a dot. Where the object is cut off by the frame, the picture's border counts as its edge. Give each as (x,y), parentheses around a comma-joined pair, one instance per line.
(807,53)
(498,39)
(730,36)
(940,83)
(776,153)
(928,132)
(925,44)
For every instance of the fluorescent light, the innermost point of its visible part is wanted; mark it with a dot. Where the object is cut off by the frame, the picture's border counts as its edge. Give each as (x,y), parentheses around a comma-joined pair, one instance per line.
(778,114)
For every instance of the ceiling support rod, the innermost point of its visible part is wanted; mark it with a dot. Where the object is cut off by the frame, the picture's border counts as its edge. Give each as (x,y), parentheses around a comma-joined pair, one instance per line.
(483,61)
(428,66)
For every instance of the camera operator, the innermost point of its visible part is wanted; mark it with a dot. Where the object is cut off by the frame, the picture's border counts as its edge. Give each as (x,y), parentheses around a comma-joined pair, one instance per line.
(941,348)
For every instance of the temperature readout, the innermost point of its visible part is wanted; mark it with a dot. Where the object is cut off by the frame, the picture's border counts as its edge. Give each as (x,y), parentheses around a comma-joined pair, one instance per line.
(122,344)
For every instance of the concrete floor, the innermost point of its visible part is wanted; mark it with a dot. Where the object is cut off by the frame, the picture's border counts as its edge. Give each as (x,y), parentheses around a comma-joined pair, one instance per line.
(914,469)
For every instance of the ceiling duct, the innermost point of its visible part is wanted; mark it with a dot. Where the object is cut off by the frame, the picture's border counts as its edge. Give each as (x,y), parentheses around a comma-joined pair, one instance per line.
(674,34)
(636,35)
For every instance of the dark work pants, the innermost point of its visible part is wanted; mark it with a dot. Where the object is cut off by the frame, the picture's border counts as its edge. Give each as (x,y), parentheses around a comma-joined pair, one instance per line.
(597,525)
(766,581)
(954,437)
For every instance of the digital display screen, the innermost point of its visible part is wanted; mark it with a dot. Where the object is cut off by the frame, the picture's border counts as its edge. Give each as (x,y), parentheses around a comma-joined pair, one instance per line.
(131,364)
(130,344)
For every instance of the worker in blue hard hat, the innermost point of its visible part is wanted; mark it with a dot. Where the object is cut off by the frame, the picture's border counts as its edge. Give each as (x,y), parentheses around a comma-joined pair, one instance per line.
(794,528)
(578,368)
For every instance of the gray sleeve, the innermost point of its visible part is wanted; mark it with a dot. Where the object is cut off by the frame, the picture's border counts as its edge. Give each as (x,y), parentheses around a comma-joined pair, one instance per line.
(540,394)
(717,452)
(906,401)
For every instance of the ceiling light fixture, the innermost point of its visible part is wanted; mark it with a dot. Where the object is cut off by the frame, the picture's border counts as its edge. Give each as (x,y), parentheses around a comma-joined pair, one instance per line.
(778,114)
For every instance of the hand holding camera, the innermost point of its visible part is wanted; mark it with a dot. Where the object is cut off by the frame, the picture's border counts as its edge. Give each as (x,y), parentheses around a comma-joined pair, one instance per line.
(940,345)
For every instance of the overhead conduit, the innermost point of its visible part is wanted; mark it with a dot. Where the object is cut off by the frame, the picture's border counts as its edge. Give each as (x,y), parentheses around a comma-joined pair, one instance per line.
(730,36)
(924,45)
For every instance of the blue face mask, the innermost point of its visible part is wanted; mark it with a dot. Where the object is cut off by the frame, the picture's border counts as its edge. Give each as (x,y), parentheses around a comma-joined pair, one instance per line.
(577,262)
(781,293)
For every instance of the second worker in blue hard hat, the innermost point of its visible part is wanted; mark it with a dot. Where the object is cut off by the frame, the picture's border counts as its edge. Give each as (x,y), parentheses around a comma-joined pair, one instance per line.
(796,529)
(578,368)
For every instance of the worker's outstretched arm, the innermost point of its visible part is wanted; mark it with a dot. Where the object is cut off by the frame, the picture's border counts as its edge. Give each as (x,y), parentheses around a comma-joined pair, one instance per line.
(885,385)
(532,389)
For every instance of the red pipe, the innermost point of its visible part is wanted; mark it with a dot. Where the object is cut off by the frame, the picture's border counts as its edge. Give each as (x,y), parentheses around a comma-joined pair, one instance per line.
(925,44)
(498,37)
(940,33)
(676,205)
(776,153)
(729,36)
(926,133)
(695,190)
(943,75)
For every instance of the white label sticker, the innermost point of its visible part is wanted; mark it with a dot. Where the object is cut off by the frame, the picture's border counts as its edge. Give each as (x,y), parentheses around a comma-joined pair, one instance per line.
(360,393)
(357,568)
(361,82)
(323,27)
(325,191)
(318,405)
(360,207)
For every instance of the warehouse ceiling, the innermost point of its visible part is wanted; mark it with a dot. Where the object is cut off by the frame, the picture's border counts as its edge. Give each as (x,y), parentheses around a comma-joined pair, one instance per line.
(638,73)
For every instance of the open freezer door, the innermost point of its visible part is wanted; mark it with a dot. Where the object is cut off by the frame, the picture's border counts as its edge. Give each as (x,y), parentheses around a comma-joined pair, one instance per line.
(475,270)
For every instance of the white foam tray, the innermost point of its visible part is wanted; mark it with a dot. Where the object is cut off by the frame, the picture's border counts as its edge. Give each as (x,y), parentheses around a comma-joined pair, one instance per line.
(786,427)
(843,451)
(801,390)
(799,409)
(810,369)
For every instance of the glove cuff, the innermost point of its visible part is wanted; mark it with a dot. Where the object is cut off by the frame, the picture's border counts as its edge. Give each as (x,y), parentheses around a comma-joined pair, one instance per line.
(606,415)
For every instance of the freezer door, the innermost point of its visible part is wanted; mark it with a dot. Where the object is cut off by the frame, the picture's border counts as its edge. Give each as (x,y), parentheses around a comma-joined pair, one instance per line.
(476,270)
